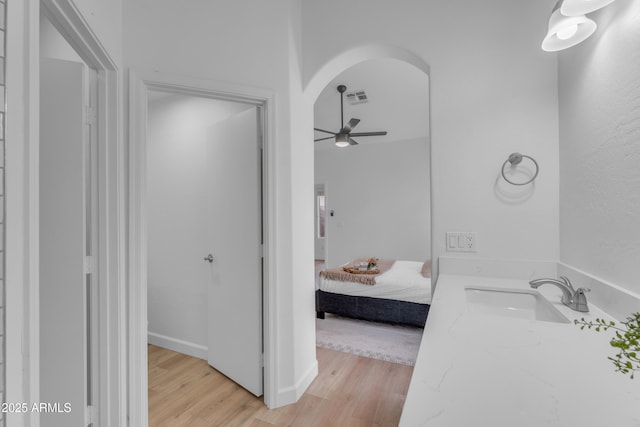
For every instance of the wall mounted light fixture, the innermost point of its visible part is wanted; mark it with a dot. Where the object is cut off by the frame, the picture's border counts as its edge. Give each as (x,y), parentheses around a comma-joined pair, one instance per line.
(582,7)
(566,31)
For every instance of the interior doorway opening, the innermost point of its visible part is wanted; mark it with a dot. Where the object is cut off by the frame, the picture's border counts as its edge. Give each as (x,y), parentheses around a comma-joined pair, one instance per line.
(142,88)
(380,204)
(204,232)
(71,302)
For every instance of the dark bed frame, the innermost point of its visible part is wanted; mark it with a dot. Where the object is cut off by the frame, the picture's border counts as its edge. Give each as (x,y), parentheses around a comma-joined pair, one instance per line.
(372,309)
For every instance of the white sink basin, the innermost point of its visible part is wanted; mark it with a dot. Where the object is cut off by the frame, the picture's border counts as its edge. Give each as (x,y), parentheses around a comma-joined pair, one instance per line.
(521,304)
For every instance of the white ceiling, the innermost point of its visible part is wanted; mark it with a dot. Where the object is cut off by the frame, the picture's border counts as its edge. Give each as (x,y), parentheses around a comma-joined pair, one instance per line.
(398,102)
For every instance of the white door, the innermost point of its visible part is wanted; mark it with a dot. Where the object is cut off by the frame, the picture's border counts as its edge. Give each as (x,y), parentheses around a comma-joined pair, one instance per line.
(65,276)
(235,238)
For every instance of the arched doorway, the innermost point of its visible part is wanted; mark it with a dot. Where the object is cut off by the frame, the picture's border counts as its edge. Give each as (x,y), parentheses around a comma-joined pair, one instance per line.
(323,82)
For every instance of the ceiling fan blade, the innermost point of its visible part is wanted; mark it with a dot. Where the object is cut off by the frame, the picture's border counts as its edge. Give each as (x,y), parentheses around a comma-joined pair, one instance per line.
(349,126)
(352,142)
(369,133)
(322,139)
(325,131)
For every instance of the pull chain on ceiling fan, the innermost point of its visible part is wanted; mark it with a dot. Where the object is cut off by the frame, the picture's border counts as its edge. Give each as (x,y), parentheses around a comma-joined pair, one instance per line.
(343,136)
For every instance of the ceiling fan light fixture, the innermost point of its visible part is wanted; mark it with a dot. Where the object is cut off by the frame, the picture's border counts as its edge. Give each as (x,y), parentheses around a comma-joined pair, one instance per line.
(582,7)
(343,136)
(342,140)
(567,31)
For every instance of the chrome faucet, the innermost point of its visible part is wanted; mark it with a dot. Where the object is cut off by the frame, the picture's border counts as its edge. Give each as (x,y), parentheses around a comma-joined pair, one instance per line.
(575,299)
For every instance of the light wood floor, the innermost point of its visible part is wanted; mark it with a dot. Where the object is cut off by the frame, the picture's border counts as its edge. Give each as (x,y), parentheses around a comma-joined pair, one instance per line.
(349,391)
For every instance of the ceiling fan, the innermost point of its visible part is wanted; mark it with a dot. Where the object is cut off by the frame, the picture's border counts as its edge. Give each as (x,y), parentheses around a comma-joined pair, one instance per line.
(343,136)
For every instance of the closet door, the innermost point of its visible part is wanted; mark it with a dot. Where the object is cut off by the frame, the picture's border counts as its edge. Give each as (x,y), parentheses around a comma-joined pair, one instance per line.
(235,236)
(63,242)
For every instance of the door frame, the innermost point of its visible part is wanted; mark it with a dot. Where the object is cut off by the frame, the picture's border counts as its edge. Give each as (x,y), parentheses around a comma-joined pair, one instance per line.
(22,208)
(68,20)
(321,184)
(139,85)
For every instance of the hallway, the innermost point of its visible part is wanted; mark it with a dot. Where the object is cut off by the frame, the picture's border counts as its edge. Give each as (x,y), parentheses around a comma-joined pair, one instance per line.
(349,391)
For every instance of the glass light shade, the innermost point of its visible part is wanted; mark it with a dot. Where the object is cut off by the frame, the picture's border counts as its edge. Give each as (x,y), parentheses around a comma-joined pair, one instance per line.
(567,31)
(342,140)
(582,7)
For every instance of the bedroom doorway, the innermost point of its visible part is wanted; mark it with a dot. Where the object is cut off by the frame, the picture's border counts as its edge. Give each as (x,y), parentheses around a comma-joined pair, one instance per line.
(380,205)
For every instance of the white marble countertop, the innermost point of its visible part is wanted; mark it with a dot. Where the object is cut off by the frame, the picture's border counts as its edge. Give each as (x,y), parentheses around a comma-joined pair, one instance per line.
(490,371)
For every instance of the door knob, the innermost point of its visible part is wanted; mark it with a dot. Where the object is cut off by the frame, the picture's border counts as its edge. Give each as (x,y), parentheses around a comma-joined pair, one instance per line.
(209,258)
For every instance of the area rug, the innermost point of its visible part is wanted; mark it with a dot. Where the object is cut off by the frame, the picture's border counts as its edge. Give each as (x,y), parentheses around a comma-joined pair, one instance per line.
(393,343)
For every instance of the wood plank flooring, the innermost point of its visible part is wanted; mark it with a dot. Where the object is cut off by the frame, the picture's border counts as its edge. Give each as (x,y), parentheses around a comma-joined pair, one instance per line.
(349,391)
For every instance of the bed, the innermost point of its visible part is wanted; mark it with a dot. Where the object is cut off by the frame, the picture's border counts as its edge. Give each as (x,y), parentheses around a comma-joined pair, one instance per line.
(401,294)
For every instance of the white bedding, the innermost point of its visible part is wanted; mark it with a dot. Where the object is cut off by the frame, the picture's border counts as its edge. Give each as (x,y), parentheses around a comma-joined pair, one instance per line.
(403,282)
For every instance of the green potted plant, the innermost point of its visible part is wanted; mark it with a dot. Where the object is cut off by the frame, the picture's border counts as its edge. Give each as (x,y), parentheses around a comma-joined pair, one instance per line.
(626,340)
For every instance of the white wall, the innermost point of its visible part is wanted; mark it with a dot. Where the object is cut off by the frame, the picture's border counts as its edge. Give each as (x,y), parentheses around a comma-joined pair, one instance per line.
(254,44)
(379,194)
(599,91)
(493,92)
(177,188)
(302,192)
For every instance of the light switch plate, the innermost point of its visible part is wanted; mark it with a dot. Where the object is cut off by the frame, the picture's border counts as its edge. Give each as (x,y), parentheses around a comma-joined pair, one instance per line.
(452,241)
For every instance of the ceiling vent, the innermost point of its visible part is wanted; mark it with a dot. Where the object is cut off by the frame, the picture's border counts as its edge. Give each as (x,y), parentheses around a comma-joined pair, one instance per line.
(356,97)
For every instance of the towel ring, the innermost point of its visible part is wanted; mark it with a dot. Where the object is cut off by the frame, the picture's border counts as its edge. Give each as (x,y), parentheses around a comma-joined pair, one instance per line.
(516,159)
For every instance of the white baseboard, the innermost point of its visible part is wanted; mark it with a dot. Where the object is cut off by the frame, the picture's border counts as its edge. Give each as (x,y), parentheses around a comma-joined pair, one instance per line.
(284,396)
(184,347)
(291,394)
